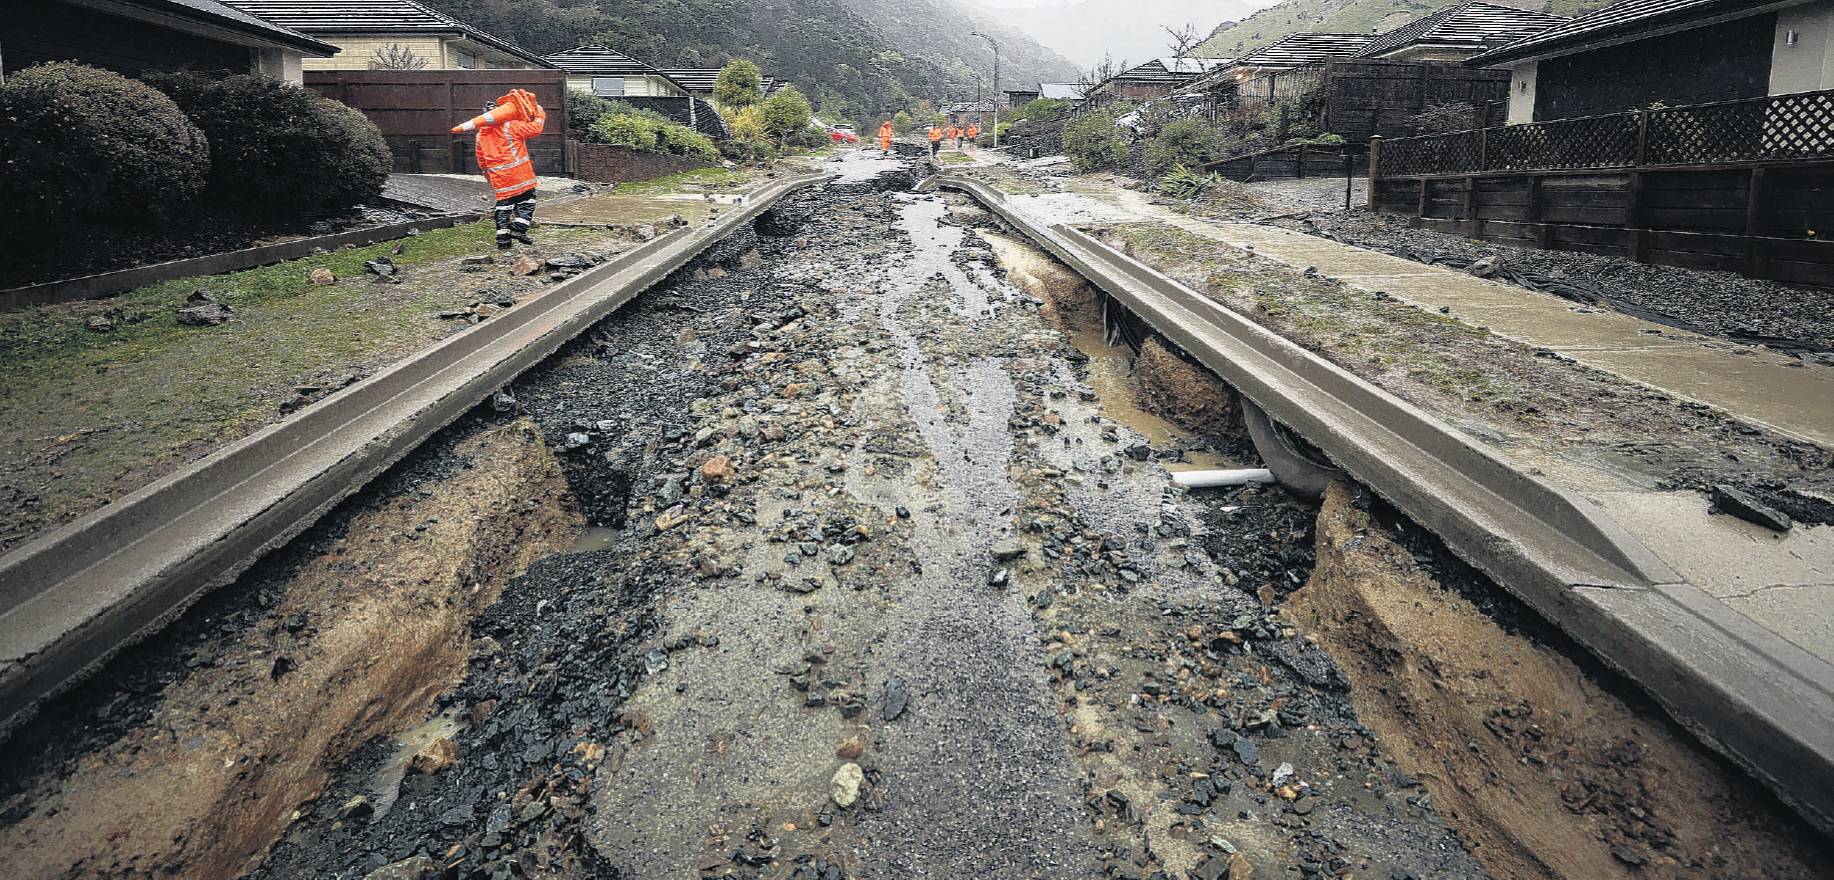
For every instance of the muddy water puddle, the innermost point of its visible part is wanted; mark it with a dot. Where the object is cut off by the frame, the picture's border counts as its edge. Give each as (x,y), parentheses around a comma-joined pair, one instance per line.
(1109,370)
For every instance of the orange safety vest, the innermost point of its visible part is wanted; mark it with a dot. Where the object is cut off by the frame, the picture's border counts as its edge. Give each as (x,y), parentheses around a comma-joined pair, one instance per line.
(935,134)
(503,150)
(885,135)
(974,131)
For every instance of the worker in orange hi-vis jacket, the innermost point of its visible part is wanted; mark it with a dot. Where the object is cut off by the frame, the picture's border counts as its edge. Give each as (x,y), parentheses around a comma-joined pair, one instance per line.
(974,132)
(935,139)
(955,131)
(885,137)
(504,130)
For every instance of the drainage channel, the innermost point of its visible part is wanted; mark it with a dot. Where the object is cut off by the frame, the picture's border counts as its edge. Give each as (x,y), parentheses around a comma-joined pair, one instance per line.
(1758,698)
(849,551)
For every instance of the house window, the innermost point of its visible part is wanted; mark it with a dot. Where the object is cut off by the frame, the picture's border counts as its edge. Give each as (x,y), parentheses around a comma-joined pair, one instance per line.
(608,86)
(467,60)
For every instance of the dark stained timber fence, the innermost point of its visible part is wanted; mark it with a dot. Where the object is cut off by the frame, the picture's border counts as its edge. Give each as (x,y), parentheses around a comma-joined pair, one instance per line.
(1744,186)
(1771,128)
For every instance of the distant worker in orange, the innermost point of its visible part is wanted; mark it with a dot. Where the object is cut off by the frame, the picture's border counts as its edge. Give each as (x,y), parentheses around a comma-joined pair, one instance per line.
(504,130)
(935,139)
(955,131)
(885,137)
(974,132)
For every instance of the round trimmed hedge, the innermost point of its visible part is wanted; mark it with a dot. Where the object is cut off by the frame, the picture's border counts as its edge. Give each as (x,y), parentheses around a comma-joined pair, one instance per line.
(82,143)
(281,149)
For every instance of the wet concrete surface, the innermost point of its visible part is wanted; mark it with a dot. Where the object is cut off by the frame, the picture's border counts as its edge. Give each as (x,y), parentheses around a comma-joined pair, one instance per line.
(865,495)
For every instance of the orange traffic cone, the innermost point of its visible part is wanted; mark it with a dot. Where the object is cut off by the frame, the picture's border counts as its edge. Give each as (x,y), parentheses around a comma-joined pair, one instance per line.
(508,109)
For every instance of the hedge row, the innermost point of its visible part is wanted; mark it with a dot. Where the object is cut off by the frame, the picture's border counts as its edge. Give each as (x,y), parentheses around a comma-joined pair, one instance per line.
(84,145)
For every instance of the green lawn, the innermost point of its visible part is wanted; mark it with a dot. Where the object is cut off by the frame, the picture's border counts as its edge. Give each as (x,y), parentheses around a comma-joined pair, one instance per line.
(88,415)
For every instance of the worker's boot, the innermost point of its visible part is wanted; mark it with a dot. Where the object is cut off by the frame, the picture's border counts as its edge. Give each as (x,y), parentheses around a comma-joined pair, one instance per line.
(523,219)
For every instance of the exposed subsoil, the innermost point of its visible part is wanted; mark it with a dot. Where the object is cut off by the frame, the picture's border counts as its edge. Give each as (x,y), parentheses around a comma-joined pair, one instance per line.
(1528,401)
(886,579)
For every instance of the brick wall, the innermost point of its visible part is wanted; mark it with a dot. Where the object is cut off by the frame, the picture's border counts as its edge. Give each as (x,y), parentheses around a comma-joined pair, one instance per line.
(601,163)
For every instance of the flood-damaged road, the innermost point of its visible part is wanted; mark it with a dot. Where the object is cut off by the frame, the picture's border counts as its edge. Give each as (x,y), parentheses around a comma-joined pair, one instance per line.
(850,551)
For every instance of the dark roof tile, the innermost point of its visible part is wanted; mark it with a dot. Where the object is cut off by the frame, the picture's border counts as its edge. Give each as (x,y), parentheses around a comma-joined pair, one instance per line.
(373,17)
(1469,26)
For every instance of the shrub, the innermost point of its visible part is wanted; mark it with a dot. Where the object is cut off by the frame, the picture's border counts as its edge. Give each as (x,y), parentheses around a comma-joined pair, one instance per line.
(749,135)
(584,110)
(651,132)
(1093,141)
(1187,142)
(739,85)
(902,122)
(80,142)
(270,138)
(786,112)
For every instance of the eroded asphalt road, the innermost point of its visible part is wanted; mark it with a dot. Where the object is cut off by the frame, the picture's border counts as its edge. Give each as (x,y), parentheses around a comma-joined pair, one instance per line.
(886,589)
(884,527)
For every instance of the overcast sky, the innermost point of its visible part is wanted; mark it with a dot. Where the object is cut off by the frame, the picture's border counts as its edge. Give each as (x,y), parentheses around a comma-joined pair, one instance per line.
(1011,4)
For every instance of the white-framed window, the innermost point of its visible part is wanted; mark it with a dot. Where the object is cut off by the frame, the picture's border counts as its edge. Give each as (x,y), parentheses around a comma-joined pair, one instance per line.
(608,86)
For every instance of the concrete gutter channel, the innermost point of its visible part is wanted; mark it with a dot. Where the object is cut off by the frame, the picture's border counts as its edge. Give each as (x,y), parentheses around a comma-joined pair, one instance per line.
(74,597)
(1742,689)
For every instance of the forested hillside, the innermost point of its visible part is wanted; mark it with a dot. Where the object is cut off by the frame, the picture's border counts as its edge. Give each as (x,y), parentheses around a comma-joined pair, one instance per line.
(851,55)
(1347,17)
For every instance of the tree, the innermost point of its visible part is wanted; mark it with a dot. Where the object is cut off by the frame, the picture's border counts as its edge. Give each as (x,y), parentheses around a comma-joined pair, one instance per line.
(739,85)
(1100,73)
(786,112)
(395,56)
(1182,40)
(902,122)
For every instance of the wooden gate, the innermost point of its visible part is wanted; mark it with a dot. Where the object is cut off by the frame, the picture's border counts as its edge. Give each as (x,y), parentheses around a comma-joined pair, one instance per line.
(416,110)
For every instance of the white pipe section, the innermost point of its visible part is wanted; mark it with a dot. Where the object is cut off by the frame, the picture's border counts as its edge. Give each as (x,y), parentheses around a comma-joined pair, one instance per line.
(1209,479)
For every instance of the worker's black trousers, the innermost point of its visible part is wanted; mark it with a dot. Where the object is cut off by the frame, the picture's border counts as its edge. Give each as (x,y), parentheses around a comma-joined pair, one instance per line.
(514,215)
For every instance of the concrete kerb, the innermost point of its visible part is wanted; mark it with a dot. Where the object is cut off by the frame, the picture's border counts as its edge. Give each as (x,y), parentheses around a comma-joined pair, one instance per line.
(74,597)
(108,284)
(1744,690)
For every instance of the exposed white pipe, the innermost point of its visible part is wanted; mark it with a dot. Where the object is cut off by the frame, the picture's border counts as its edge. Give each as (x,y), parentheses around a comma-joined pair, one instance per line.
(1235,477)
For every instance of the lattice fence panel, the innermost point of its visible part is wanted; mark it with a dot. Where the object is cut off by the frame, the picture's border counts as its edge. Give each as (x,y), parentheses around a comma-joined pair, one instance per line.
(1730,132)
(1799,126)
(1783,127)
(1433,154)
(1592,142)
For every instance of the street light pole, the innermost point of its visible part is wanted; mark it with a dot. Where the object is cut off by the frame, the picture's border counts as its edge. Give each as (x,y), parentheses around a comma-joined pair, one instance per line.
(996,86)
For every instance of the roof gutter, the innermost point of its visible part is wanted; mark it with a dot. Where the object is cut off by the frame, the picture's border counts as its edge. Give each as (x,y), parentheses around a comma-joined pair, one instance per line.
(180,17)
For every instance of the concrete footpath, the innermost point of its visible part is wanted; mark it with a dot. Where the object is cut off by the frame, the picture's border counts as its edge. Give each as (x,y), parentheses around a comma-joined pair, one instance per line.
(1743,610)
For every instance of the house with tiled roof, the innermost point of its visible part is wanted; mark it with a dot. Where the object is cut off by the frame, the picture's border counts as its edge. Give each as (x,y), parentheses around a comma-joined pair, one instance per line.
(391,34)
(1154,79)
(608,73)
(1457,32)
(136,36)
(1637,53)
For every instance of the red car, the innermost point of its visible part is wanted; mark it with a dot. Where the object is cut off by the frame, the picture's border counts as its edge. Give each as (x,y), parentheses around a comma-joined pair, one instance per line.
(842,134)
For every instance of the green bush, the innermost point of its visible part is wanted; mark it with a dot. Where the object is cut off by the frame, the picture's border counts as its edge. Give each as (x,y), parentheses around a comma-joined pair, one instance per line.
(787,112)
(1187,142)
(584,110)
(270,138)
(1093,141)
(902,122)
(82,143)
(651,132)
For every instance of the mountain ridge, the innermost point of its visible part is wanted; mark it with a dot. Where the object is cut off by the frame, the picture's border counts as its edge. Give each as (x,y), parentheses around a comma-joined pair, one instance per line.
(850,56)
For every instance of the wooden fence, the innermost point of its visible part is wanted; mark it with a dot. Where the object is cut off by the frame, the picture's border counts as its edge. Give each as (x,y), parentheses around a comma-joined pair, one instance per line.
(1362,98)
(1295,161)
(416,110)
(1744,186)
